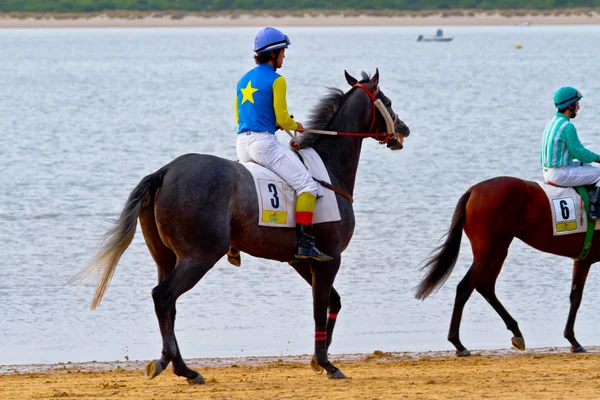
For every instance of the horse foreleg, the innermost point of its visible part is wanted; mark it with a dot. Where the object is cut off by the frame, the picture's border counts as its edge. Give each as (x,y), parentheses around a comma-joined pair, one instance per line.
(335,301)
(580,273)
(187,273)
(335,305)
(323,275)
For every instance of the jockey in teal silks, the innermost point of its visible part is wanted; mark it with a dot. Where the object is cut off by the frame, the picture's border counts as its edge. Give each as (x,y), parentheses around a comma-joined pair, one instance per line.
(561,146)
(260,108)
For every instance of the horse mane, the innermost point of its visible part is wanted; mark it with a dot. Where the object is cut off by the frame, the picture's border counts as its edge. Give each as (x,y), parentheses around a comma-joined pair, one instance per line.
(324,111)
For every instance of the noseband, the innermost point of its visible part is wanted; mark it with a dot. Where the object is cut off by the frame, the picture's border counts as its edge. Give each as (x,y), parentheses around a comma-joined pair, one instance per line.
(378,105)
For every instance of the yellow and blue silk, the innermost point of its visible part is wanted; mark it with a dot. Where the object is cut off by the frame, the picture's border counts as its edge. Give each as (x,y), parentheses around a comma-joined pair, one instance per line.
(260,102)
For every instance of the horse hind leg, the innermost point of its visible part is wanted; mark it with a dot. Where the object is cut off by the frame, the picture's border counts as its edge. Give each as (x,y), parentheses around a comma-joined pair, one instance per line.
(165,260)
(463,292)
(487,288)
(188,271)
(482,276)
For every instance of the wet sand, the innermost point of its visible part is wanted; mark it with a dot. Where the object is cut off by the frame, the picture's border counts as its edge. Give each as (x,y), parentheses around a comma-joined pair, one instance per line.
(534,374)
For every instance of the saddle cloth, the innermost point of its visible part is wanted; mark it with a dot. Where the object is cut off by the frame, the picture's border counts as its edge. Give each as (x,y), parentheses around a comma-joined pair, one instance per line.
(277,200)
(568,212)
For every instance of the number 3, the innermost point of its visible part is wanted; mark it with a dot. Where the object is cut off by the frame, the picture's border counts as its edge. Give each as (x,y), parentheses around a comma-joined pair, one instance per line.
(275,199)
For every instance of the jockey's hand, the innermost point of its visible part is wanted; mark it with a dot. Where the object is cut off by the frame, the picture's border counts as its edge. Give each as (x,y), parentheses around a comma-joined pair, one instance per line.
(598,160)
(300,127)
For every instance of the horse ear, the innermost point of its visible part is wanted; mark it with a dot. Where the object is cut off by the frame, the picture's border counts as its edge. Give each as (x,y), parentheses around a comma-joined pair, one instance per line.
(350,79)
(375,79)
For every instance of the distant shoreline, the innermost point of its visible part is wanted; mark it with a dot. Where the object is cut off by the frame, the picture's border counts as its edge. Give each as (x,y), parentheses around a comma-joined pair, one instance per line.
(300,18)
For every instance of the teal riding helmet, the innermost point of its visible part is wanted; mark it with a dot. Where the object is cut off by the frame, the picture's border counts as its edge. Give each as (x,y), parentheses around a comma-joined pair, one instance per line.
(565,96)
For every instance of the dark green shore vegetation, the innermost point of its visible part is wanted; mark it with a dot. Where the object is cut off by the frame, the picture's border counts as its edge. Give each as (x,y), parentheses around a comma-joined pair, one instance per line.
(374,7)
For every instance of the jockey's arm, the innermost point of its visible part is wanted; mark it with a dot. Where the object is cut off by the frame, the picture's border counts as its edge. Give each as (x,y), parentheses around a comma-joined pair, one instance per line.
(282,116)
(576,148)
(237,115)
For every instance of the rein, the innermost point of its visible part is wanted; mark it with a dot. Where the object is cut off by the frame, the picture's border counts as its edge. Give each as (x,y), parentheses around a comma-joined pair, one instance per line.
(335,189)
(377,105)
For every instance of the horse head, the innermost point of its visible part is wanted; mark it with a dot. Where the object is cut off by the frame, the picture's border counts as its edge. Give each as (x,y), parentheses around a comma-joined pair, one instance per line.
(382,118)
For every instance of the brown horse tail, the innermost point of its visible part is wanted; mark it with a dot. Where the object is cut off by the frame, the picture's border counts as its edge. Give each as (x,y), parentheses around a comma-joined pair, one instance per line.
(119,237)
(440,264)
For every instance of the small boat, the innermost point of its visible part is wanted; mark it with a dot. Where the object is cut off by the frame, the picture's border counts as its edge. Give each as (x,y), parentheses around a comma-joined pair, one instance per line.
(421,38)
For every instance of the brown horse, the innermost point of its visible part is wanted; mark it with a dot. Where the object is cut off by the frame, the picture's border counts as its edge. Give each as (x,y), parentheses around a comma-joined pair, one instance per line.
(493,213)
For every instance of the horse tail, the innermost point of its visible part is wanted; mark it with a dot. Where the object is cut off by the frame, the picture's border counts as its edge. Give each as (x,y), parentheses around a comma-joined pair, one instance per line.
(119,237)
(440,264)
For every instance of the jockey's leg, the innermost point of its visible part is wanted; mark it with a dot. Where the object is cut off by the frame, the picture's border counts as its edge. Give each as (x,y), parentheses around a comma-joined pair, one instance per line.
(588,175)
(579,175)
(274,155)
(595,202)
(305,240)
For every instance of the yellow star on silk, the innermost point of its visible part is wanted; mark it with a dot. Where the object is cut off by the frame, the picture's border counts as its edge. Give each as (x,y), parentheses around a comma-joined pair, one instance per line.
(247,93)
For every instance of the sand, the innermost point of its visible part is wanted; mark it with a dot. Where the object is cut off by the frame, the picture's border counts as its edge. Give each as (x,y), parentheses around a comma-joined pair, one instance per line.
(535,374)
(449,18)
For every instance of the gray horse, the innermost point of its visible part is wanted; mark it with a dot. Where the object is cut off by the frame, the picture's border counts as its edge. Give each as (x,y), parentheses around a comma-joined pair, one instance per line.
(194,208)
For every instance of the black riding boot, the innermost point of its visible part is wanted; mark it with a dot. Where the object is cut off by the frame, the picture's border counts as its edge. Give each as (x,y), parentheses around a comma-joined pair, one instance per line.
(595,203)
(306,244)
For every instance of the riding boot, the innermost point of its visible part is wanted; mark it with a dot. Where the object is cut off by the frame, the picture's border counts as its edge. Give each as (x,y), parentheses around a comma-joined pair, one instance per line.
(305,207)
(306,244)
(595,203)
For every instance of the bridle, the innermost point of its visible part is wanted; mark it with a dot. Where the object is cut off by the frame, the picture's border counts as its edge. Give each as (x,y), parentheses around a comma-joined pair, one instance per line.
(390,123)
(377,104)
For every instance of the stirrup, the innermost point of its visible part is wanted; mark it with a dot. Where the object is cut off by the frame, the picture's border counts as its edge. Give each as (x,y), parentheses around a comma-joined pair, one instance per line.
(312,253)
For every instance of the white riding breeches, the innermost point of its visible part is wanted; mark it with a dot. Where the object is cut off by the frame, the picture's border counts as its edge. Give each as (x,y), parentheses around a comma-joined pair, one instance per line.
(264,149)
(575,174)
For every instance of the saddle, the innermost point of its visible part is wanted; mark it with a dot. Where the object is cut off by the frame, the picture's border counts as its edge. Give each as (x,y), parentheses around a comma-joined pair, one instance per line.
(569,207)
(277,200)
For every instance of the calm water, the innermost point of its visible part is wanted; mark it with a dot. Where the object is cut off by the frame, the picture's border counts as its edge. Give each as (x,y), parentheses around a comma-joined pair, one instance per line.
(85,114)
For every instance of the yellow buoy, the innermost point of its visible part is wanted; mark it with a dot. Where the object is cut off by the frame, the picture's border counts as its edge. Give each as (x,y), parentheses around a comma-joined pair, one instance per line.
(518,46)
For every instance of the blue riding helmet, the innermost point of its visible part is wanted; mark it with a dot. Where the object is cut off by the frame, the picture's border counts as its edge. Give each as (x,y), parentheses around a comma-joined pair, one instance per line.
(565,96)
(270,39)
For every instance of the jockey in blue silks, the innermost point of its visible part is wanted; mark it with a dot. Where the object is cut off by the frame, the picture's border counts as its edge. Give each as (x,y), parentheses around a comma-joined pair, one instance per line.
(260,108)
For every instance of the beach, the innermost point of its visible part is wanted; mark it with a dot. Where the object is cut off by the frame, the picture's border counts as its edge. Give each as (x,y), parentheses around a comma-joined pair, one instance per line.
(502,374)
(300,18)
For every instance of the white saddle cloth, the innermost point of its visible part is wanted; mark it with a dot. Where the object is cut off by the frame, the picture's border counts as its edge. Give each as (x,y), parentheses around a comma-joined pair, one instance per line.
(568,212)
(277,200)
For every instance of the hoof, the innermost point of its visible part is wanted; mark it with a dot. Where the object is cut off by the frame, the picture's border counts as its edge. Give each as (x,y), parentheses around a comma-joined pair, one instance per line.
(153,369)
(463,353)
(519,343)
(317,369)
(578,349)
(199,380)
(234,258)
(337,374)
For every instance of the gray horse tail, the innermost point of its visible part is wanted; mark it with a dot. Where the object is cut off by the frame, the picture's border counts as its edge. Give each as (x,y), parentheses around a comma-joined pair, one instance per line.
(441,263)
(119,237)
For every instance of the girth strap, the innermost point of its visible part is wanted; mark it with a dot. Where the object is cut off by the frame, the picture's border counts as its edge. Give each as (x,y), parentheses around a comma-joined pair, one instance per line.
(591,224)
